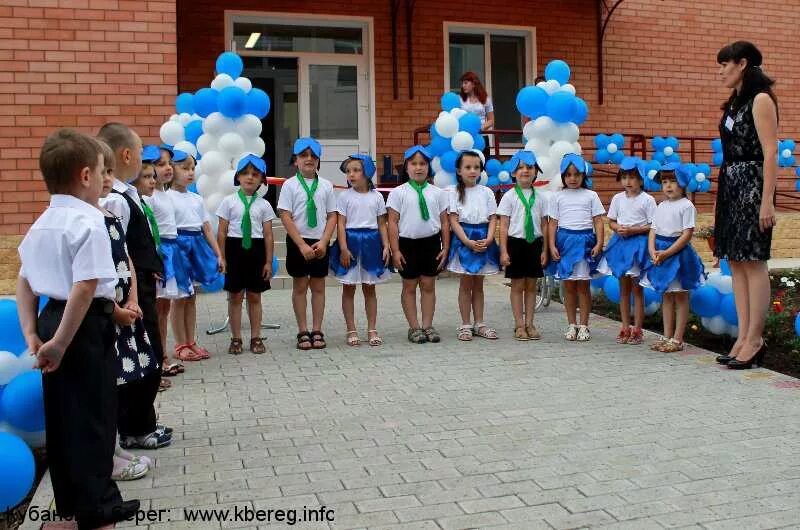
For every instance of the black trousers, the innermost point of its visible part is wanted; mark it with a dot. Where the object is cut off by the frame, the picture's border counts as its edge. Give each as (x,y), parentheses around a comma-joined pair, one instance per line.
(146,292)
(80,404)
(137,415)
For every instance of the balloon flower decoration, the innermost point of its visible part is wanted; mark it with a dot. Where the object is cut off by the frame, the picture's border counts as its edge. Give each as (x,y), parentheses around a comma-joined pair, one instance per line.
(786,153)
(665,150)
(716,150)
(697,176)
(609,148)
(650,182)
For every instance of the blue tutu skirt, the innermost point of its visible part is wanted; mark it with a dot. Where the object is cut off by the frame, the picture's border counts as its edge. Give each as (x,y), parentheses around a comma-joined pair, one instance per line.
(625,256)
(463,260)
(682,272)
(575,247)
(177,282)
(200,260)
(366,265)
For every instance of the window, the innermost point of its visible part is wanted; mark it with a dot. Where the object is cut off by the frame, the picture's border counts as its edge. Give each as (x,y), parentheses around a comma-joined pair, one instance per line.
(274,37)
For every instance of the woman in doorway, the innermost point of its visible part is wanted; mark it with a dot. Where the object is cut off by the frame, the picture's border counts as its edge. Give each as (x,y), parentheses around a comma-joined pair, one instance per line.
(474,99)
(745,207)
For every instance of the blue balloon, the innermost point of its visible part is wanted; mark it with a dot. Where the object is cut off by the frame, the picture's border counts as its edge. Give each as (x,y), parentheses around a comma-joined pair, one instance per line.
(469,122)
(258,103)
(659,143)
(558,70)
(230,63)
(214,286)
(450,101)
(440,145)
(617,157)
(589,183)
(716,145)
(717,158)
(19,470)
(193,188)
(205,101)
(601,141)
(43,302)
(432,131)
(532,101)
(652,296)
(797,324)
(705,301)
(692,186)
(727,308)
(185,103)
(618,140)
(11,337)
(232,102)
(478,142)
(493,167)
(611,289)
(561,107)
(275,266)
(193,131)
(23,402)
(493,181)
(581,111)
(797,171)
(725,267)
(598,282)
(602,156)
(797,185)
(448,161)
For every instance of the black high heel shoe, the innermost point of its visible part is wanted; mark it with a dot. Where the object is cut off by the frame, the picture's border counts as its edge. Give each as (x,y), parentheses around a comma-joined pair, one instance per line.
(736,364)
(724,359)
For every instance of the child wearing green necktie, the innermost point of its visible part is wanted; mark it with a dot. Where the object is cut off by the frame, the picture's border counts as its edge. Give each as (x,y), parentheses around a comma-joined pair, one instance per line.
(307,208)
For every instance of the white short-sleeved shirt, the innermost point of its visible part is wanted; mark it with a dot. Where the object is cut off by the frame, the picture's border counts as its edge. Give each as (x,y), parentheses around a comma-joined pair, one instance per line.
(293,200)
(512,207)
(478,206)
(632,211)
(575,209)
(673,217)
(190,212)
(164,212)
(118,205)
(360,209)
(232,209)
(476,107)
(405,201)
(68,243)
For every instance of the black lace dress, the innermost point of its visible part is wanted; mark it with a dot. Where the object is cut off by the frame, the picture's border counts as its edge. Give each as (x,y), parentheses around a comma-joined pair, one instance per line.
(741,184)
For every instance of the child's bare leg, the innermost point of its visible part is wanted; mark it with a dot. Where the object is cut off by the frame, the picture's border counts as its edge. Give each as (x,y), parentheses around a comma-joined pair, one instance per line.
(254,310)
(584,300)
(348,306)
(235,313)
(427,299)
(571,300)
(517,295)
(408,300)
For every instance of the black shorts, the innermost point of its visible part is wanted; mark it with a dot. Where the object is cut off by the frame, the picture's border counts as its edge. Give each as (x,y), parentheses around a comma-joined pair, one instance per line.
(420,255)
(526,258)
(298,267)
(244,268)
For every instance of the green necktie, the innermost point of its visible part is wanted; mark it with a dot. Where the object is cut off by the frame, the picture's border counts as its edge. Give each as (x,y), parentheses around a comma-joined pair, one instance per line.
(311,206)
(247,224)
(530,233)
(423,206)
(151,218)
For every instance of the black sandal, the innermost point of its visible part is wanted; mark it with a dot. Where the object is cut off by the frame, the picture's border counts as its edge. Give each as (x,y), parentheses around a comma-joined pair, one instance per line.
(318,338)
(304,341)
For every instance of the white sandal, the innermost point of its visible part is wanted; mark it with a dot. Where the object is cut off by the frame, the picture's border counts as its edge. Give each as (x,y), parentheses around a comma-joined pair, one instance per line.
(376,339)
(572,332)
(133,471)
(583,334)
(465,332)
(352,338)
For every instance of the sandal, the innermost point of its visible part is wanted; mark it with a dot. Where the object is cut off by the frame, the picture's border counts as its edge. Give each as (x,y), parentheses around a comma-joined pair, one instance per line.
(236,347)
(257,345)
(465,332)
(624,335)
(164,384)
(583,334)
(672,346)
(658,344)
(636,337)
(482,330)
(133,471)
(374,338)
(318,340)
(532,332)
(521,334)
(184,353)
(417,336)
(204,353)
(432,335)
(171,370)
(352,338)
(304,341)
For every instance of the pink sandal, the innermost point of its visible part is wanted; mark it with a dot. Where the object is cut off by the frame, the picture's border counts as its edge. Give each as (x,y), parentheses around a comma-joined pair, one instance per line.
(199,350)
(185,353)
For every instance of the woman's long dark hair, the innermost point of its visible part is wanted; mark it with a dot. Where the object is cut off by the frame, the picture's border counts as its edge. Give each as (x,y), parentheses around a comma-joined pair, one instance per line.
(460,185)
(477,87)
(754,80)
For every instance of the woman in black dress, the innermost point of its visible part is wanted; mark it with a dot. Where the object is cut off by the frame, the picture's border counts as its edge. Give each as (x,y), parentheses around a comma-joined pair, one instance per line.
(745,207)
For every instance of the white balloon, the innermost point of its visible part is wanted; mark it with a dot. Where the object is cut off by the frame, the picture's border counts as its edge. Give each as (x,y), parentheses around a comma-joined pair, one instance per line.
(243,83)
(720,282)
(171,133)
(786,153)
(668,150)
(569,87)
(225,185)
(548,166)
(652,308)
(207,142)
(544,127)
(612,148)
(212,202)
(231,144)
(550,86)
(196,117)
(539,146)
(256,146)
(652,173)
(262,190)
(11,365)
(462,141)
(458,112)
(35,440)
(186,147)
(214,164)
(576,148)
(436,164)
(504,176)
(484,178)
(568,132)
(699,177)
(443,179)
(217,124)
(527,131)
(733,331)
(222,81)
(446,125)
(717,325)
(559,149)
(205,185)
(248,126)
(184,118)
(174,117)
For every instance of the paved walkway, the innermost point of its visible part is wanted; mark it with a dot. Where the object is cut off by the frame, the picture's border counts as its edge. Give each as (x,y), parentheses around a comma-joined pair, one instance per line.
(509,434)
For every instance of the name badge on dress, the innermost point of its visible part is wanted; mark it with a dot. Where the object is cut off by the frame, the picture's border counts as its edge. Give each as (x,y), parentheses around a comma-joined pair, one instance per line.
(729,123)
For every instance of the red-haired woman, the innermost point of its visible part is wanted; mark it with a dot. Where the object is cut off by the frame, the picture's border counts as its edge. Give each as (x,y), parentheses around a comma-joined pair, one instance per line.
(475,100)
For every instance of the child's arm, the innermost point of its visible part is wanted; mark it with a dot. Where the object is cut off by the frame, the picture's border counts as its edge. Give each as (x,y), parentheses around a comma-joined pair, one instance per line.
(677,246)
(505,259)
(393,227)
(341,238)
(444,218)
(321,246)
(294,234)
(616,227)
(456,227)
(492,228)
(212,242)
(382,228)
(545,241)
(552,226)
(26,309)
(80,298)
(651,246)
(133,297)
(222,234)
(269,246)
(600,234)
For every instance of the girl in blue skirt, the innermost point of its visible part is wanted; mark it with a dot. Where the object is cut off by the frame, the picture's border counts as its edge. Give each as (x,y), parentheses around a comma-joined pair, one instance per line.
(626,257)
(473,252)
(361,253)
(576,241)
(677,268)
